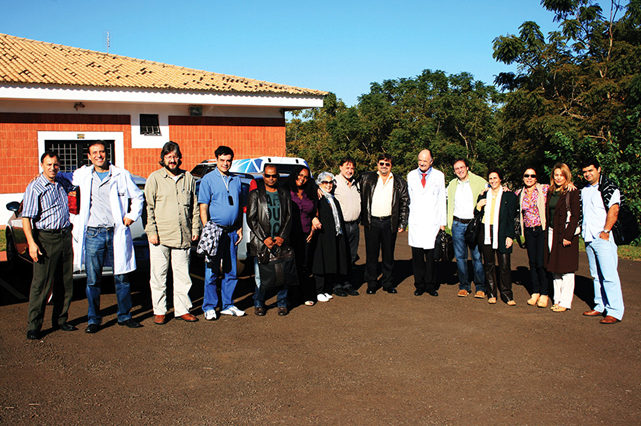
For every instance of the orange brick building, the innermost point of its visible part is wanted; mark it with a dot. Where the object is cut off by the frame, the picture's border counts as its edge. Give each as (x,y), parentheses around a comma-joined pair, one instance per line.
(58,97)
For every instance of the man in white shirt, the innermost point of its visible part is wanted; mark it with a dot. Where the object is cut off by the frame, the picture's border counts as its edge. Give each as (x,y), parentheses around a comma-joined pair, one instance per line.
(384,210)
(600,203)
(462,194)
(426,188)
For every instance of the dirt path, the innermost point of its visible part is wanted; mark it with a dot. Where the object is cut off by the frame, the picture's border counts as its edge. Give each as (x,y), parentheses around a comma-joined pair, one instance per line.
(368,360)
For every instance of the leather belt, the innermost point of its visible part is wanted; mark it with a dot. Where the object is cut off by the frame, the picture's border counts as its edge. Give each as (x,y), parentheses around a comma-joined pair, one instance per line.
(381,218)
(463,221)
(56,231)
(351,222)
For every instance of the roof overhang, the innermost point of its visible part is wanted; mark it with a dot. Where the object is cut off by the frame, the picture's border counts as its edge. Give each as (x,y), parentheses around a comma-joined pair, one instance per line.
(90,94)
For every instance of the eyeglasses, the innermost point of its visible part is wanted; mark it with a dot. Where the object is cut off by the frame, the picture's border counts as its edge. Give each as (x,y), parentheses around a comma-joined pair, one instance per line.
(529,176)
(384,164)
(270,176)
(327,182)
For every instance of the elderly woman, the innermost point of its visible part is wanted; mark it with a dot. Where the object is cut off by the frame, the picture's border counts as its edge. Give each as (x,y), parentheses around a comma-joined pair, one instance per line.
(563,208)
(331,257)
(304,221)
(498,235)
(532,198)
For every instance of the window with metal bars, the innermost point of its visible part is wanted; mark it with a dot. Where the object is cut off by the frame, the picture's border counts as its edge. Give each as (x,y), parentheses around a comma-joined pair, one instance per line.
(73,154)
(149,124)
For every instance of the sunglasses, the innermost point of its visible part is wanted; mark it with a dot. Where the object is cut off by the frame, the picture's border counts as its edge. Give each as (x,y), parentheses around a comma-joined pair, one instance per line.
(327,182)
(270,176)
(529,176)
(384,164)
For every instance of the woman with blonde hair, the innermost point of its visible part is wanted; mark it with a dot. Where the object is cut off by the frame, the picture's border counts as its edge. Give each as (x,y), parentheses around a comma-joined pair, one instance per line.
(563,209)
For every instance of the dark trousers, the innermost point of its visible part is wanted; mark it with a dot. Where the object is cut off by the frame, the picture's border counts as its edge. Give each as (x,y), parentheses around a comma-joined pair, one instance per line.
(352,232)
(379,238)
(423,263)
(505,272)
(57,252)
(535,243)
(304,253)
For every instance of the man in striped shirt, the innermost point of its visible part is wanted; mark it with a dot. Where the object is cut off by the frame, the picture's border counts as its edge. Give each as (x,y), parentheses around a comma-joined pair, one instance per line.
(45,220)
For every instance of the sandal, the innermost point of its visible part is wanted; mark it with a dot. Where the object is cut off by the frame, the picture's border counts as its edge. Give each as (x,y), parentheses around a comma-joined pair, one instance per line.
(491,300)
(543,302)
(511,303)
(559,309)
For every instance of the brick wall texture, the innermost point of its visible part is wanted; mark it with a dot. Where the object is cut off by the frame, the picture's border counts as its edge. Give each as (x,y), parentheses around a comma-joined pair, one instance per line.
(198,138)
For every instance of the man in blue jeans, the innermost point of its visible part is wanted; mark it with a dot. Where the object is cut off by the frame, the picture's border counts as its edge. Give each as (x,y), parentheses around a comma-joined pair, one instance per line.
(600,203)
(220,201)
(462,193)
(110,201)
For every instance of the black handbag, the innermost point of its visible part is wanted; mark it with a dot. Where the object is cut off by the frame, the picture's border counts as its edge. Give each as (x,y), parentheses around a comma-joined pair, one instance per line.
(626,228)
(277,267)
(473,229)
(443,247)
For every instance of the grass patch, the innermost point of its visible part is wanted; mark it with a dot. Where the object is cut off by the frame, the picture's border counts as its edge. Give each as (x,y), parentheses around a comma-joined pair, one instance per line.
(3,240)
(625,252)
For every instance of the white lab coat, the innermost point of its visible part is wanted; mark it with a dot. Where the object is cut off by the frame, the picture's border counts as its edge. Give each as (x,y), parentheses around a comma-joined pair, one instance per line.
(427,208)
(122,189)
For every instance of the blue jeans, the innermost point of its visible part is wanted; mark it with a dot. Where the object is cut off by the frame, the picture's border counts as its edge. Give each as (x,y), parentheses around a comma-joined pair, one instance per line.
(460,251)
(259,293)
(604,260)
(223,264)
(99,247)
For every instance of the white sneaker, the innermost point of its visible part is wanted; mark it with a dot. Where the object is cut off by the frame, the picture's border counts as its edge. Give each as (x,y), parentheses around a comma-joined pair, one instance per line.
(211,315)
(329,296)
(233,311)
(322,298)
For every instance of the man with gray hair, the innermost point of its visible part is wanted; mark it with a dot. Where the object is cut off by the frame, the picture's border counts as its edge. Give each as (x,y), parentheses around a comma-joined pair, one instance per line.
(173,222)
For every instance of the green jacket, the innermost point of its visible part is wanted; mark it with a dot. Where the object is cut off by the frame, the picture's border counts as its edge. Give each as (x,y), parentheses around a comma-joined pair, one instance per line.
(477,184)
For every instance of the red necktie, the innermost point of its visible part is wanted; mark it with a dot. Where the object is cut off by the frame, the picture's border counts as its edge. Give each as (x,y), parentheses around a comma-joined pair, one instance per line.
(423,179)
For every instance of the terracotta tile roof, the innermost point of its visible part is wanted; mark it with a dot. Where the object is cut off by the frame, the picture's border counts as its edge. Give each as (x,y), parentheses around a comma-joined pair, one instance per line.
(36,62)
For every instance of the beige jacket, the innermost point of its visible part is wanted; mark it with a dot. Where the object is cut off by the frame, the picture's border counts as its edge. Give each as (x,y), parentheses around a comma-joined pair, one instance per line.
(172,208)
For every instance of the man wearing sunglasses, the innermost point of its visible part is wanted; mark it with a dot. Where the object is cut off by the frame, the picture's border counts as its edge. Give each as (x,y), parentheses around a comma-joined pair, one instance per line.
(384,211)
(220,198)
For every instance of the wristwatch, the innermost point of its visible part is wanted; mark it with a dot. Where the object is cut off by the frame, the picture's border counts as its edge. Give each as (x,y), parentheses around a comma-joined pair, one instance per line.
(607,232)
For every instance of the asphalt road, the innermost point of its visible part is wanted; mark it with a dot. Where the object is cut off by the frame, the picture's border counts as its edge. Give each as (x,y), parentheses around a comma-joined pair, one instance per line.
(368,360)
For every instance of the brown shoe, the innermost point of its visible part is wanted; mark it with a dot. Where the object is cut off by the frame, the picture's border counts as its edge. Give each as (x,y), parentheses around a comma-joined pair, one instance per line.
(188,317)
(511,303)
(533,299)
(543,302)
(609,320)
(463,293)
(592,313)
(479,295)
(159,319)
(491,300)
(282,311)
(259,311)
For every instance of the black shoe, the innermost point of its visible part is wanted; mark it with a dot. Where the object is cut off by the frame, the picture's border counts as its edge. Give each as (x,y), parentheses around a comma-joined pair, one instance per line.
(33,334)
(419,292)
(433,293)
(92,328)
(67,327)
(351,291)
(131,323)
(371,291)
(338,291)
(391,290)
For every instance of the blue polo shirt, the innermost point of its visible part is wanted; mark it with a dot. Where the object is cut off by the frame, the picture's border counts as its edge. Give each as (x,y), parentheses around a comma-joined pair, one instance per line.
(215,190)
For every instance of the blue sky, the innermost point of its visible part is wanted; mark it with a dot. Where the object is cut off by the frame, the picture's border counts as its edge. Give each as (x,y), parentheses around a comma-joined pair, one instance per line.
(337,46)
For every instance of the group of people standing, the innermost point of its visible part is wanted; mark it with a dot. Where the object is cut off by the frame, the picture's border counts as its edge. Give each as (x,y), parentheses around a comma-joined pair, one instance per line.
(316,223)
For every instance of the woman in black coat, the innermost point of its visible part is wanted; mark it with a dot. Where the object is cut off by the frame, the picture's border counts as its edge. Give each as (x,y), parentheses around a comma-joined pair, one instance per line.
(331,257)
(498,236)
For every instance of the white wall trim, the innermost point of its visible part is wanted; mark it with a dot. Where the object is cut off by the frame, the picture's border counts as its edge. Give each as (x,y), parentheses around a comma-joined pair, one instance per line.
(117,137)
(151,96)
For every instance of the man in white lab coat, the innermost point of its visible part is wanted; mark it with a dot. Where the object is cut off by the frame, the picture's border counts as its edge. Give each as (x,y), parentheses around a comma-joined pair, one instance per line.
(426,187)
(104,219)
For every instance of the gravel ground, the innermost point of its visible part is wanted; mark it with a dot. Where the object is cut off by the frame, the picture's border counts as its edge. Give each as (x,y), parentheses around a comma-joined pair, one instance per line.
(368,360)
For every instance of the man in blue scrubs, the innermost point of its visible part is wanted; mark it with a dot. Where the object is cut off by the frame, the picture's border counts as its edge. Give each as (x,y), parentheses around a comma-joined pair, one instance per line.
(220,198)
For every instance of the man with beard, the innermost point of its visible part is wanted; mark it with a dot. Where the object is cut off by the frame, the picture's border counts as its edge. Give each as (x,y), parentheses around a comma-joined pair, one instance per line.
(173,222)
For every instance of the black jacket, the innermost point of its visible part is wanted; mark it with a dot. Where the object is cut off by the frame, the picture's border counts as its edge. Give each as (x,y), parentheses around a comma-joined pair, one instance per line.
(400,200)
(258,217)
(507,213)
